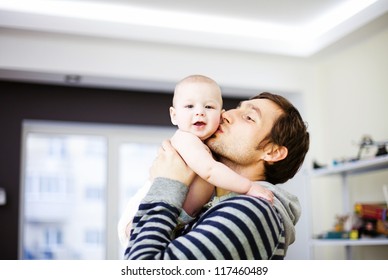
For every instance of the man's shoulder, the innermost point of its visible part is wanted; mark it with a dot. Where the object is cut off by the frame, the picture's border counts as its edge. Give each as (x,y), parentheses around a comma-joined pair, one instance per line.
(244,204)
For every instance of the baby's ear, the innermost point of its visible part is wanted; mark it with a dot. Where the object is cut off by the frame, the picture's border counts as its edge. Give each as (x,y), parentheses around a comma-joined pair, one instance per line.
(173,115)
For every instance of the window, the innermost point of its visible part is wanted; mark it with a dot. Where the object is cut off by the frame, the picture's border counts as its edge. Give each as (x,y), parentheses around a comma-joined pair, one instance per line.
(59,172)
(94,237)
(94,193)
(76,181)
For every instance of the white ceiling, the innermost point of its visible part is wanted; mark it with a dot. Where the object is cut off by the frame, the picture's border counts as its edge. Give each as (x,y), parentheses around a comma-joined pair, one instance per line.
(295,28)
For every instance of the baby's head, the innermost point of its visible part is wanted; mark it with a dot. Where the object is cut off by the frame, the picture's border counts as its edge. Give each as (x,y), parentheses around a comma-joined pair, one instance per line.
(197,106)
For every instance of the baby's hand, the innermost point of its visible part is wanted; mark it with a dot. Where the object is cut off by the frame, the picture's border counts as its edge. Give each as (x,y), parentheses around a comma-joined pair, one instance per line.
(257,190)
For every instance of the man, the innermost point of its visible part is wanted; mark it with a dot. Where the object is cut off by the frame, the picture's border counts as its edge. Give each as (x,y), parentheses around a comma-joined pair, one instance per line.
(265,140)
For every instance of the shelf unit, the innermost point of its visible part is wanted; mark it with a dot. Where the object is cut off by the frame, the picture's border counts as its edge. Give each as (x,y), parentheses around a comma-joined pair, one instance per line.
(345,170)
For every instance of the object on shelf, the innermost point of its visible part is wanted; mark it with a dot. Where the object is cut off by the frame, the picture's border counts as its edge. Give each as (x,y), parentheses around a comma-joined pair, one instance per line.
(382,227)
(368,228)
(335,235)
(355,227)
(385,192)
(382,150)
(342,229)
(354,234)
(376,211)
(372,220)
(367,142)
(317,165)
(365,152)
(341,223)
(343,161)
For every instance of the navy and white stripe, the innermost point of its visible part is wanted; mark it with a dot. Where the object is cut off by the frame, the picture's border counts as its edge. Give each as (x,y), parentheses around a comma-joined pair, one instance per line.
(241,227)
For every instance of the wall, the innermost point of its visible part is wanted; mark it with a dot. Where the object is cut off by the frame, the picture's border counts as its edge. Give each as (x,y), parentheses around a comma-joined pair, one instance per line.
(65,54)
(352,90)
(353,84)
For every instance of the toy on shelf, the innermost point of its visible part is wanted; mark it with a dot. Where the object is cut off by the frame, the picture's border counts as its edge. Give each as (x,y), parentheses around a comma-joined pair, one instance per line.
(342,228)
(367,142)
(368,148)
(369,220)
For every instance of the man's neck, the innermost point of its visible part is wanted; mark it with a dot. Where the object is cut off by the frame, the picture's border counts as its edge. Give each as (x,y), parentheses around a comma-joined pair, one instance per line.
(221,192)
(250,172)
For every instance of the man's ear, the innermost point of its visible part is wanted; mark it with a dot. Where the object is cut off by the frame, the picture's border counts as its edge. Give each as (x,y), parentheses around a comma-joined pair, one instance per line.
(275,153)
(173,115)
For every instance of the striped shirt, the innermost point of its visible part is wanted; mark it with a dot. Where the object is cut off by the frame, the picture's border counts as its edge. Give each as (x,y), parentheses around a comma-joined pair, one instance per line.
(238,227)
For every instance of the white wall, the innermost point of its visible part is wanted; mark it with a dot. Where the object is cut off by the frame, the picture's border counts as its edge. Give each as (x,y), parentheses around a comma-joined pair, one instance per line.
(99,57)
(352,90)
(353,85)
(342,95)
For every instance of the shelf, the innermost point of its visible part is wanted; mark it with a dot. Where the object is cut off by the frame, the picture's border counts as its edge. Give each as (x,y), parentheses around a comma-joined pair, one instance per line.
(350,242)
(344,170)
(355,167)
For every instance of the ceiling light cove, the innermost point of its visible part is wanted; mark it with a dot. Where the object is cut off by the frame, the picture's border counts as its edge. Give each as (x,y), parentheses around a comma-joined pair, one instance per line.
(181,27)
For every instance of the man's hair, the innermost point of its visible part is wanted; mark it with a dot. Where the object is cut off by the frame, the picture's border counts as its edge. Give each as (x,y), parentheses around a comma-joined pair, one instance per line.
(290,131)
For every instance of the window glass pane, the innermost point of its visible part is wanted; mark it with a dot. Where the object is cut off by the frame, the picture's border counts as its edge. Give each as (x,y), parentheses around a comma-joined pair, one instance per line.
(64,208)
(135,160)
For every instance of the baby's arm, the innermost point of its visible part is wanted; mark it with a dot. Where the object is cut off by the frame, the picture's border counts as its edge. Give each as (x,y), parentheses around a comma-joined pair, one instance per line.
(199,159)
(198,195)
(124,225)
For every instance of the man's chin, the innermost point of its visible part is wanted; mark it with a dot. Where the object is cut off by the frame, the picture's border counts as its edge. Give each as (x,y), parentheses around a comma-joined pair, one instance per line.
(211,139)
(214,144)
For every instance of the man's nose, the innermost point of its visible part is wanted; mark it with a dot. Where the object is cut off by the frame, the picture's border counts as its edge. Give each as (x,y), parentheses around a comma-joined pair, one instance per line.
(226,117)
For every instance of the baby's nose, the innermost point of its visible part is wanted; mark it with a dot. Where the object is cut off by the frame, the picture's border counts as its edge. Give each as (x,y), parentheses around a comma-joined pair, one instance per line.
(200,112)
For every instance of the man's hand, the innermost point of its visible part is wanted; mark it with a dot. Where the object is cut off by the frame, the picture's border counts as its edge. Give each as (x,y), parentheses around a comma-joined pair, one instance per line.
(169,164)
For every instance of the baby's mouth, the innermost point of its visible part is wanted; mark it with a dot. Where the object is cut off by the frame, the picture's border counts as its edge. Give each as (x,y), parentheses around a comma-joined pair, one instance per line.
(199,123)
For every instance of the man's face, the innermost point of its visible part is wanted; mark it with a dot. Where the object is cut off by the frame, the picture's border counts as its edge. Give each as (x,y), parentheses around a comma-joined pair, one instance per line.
(243,129)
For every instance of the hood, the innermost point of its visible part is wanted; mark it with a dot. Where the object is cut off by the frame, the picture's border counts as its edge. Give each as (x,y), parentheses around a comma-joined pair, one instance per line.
(289,208)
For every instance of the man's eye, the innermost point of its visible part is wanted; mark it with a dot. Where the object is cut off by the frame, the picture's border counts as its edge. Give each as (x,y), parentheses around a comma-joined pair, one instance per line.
(249,118)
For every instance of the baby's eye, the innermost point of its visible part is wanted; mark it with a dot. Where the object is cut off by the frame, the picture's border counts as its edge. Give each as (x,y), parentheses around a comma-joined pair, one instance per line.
(209,107)
(189,106)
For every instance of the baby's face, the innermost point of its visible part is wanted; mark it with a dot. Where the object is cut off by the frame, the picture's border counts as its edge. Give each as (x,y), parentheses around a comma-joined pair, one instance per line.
(197,109)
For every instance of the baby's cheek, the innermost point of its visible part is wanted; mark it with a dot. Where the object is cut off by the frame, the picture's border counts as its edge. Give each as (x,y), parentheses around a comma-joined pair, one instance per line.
(216,121)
